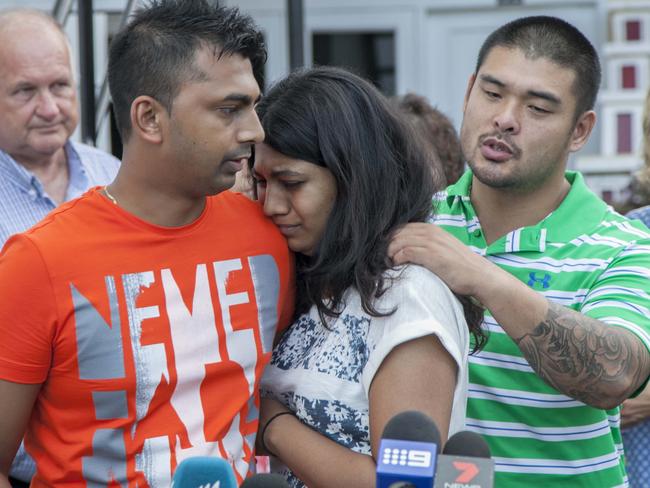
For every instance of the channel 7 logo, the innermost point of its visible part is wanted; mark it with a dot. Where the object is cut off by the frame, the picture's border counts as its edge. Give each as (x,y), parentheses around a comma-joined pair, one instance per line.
(413,458)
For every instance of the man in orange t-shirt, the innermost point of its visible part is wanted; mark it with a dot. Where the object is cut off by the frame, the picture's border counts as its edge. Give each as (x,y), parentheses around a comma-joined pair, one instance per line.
(136,320)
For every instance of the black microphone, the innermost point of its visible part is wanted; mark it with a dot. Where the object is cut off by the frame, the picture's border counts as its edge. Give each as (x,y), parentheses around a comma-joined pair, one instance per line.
(407,452)
(265,481)
(465,463)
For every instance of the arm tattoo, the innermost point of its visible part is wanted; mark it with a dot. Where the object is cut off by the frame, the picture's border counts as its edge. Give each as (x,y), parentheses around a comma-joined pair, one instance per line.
(586,359)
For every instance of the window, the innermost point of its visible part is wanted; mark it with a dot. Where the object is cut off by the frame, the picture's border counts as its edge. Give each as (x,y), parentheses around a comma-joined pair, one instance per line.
(624,133)
(628,77)
(633,30)
(368,54)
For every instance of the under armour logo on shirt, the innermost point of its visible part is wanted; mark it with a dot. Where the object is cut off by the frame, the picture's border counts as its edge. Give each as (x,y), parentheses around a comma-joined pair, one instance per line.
(543,281)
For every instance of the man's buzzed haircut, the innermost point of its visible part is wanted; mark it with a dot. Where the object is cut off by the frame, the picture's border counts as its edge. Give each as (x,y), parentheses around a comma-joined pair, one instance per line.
(155,53)
(558,41)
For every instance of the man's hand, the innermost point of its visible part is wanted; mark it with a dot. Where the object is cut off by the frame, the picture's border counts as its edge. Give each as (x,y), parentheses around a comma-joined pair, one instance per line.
(636,410)
(428,245)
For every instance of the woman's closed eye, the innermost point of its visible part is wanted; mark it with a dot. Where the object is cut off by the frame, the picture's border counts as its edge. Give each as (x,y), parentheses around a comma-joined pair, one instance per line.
(292,184)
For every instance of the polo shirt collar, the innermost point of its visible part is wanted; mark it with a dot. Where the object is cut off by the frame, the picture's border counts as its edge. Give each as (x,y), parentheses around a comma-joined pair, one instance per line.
(578,214)
(461,188)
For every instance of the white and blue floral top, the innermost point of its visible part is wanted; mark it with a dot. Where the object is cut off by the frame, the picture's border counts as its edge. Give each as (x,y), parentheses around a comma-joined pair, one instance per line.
(324,374)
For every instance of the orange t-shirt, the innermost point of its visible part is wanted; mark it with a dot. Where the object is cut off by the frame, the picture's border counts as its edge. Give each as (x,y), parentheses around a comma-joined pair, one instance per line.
(149,341)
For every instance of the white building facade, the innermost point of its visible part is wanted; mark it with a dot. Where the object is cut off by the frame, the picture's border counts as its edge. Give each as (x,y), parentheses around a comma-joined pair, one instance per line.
(626,73)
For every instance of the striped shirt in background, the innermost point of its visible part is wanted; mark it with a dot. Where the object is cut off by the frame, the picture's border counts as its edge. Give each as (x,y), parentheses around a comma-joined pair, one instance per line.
(636,439)
(583,256)
(23,203)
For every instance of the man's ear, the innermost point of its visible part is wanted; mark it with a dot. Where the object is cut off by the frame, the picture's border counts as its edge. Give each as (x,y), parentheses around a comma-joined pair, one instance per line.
(470,85)
(582,130)
(148,118)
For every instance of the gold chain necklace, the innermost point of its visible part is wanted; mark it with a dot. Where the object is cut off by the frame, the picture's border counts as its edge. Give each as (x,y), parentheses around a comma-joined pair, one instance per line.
(110,197)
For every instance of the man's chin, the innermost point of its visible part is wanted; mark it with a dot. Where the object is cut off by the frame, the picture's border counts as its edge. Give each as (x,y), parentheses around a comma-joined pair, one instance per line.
(36,154)
(495,179)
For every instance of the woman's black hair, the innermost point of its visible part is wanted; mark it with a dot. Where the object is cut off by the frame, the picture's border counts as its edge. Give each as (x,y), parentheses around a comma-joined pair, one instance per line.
(332,118)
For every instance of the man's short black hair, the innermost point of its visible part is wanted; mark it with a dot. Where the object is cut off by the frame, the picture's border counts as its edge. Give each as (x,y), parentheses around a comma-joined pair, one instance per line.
(558,41)
(155,53)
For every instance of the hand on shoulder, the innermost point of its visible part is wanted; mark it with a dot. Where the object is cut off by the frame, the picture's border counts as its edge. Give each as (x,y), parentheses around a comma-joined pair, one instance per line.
(441,253)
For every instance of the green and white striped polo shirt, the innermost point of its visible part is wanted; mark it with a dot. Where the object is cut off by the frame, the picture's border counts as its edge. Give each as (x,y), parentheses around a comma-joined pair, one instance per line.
(584,256)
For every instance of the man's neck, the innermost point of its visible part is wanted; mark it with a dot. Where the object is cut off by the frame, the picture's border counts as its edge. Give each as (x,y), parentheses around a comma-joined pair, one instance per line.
(52,171)
(136,194)
(501,211)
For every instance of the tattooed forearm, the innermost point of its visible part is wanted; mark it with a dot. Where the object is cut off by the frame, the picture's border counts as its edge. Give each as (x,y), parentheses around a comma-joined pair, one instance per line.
(584,358)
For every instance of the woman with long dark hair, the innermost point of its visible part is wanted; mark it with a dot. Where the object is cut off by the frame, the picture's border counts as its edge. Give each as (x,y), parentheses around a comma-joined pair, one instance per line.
(338,174)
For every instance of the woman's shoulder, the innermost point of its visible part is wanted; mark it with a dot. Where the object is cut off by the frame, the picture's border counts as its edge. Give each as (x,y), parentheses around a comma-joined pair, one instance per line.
(416,279)
(415,292)
(423,305)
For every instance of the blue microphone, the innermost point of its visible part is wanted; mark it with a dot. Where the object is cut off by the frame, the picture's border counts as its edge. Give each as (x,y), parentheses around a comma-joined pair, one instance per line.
(204,472)
(407,452)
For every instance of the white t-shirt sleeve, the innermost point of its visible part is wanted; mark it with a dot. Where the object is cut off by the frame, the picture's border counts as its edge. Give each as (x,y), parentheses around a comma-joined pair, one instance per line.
(425,306)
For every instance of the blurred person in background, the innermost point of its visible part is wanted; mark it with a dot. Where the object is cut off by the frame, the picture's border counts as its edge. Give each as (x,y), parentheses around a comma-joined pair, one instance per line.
(437,133)
(40,166)
(638,203)
(635,414)
(244,182)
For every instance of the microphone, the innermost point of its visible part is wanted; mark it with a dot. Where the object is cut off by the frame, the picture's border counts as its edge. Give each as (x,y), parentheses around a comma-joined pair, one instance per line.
(407,452)
(204,472)
(265,481)
(465,463)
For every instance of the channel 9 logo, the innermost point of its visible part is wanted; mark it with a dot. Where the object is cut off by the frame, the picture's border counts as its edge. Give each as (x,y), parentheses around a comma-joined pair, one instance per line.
(413,458)
(400,460)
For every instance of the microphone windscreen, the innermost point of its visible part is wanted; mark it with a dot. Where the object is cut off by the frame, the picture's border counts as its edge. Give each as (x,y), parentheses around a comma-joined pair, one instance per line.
(412,425)
(201,471)
(466,443)
(265,481)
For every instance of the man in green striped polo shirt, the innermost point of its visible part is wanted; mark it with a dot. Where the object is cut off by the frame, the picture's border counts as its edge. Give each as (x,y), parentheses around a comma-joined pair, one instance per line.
(564,279)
